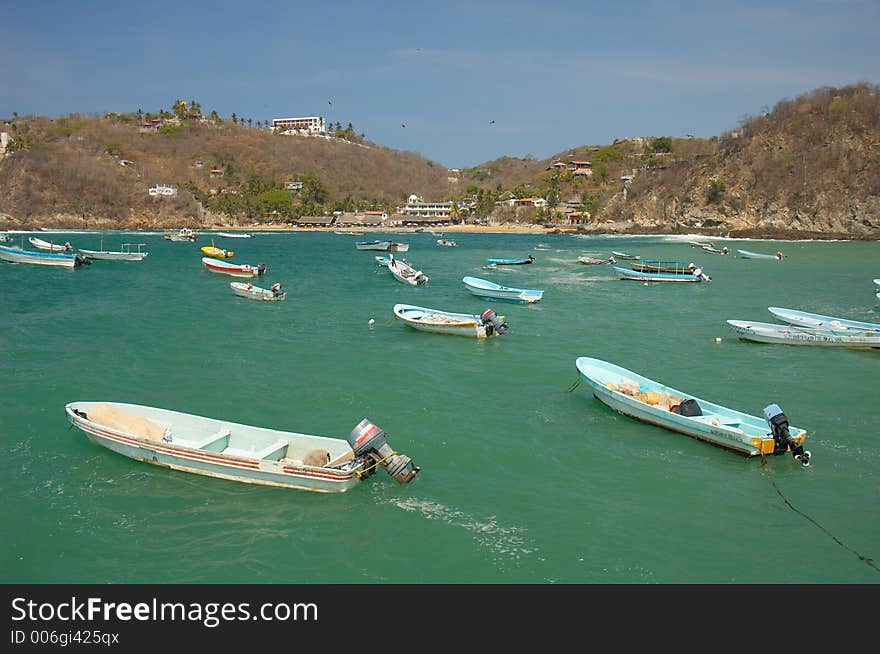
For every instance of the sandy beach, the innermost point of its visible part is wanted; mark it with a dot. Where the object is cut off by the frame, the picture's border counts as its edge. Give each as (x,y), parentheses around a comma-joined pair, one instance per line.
(450,229)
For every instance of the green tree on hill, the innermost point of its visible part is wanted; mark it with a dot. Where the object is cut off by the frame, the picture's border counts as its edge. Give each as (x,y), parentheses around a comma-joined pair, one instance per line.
(661,144)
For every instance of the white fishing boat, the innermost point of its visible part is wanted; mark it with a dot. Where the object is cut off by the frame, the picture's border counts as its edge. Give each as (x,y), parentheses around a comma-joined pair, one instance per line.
(381,246)
(746,254)
(593,261)
(17,255)
(394,246)
(49,247)
(818,321)
(235,235)
(447,243)
(446,322)
(237,452)
(236,270)
(251,292)
(403,272)
(488,289)
(125,254)
(382,261)
(182,234)
(625,255)
(765,332)
(5,238)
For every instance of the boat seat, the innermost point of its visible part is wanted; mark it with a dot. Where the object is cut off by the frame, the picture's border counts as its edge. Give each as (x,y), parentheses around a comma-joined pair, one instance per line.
(215,442)
(272,451)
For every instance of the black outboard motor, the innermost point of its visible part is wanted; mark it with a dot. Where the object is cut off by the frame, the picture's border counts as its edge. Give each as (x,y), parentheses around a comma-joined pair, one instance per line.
(493,323)
(368,443)
(779,430)
(261,269)
(80,260)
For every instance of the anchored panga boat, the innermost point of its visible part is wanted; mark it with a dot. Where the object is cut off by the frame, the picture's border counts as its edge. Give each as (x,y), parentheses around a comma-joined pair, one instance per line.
(229,450)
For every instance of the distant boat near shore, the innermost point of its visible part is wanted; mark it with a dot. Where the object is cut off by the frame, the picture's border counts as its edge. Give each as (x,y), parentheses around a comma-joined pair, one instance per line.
(746,254)
(234,235)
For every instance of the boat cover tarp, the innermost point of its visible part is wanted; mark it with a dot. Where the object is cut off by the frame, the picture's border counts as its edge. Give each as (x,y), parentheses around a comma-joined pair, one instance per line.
(115,418)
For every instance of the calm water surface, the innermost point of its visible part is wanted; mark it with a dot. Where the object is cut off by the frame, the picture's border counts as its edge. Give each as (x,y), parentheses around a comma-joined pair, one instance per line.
(522,481)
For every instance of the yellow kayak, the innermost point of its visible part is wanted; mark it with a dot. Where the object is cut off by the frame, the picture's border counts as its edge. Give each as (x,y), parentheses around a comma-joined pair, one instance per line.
(217,253)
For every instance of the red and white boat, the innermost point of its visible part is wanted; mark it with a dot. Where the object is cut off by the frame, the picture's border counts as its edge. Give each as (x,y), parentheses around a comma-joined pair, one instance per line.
(234,269)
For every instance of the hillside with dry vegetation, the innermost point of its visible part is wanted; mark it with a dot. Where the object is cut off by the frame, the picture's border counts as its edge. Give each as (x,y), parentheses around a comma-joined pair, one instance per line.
(808,167)
(96,172)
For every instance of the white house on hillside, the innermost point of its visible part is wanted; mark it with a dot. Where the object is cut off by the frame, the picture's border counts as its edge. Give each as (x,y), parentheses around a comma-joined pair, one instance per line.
(308,124)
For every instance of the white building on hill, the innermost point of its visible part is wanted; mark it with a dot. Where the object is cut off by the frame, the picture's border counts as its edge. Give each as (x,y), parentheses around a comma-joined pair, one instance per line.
(416,206)
(309,124)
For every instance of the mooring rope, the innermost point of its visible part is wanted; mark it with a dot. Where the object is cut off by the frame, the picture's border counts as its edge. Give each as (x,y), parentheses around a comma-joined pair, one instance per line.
(867,559)
(577,383)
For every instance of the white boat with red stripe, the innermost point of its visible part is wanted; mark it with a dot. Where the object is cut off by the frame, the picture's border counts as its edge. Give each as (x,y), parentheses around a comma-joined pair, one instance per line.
(234,269)
(229,450)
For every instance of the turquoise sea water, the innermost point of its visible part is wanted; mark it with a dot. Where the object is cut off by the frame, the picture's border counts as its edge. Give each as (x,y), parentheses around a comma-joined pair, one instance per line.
(522,481)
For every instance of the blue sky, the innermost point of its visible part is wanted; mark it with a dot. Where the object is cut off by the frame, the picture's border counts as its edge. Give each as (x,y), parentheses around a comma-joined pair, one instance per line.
(552,75)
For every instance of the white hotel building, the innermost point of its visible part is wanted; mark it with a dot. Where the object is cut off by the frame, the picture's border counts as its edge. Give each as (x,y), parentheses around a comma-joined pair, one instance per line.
(416,206)
(309,124)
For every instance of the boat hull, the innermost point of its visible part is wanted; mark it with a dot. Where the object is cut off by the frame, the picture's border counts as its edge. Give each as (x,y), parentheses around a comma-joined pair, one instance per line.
(441,322)
(745,254)
(511,262)
(492,291)
(379,246)
(217,253)
(624,255)
(734,430)
(804,319)
(219,266)
(180,454)
(406,274)
(113,256)
(762,332)
(232,235)
(592,261)
(256,293)
(675,267)
(46,246)
(635,275)
(14,255)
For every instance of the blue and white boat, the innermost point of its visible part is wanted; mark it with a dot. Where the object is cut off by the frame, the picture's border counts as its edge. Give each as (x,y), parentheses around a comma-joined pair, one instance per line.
(818,321)
(229,450)
(635,275)
(649,401)
(491,290)
(495,261)
(17,255)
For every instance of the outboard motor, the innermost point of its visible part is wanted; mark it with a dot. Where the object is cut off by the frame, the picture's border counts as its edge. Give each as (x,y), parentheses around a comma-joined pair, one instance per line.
(368,443)
(261,268)
(779,430)
(699,273)
(492,322)
(421,278)
(80,260)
